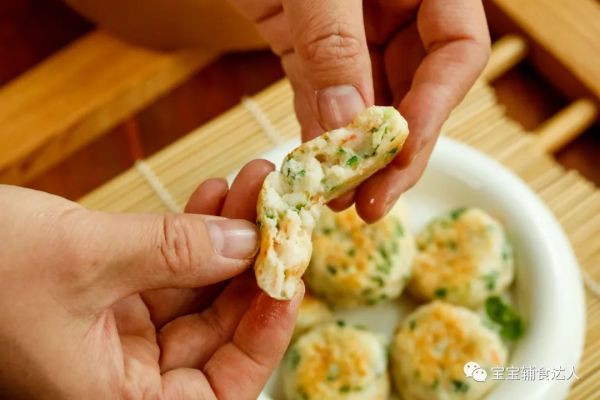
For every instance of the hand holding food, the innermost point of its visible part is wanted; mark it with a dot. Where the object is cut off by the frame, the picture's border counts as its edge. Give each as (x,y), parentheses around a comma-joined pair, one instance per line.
(96,305)
(316,172)
(344,55)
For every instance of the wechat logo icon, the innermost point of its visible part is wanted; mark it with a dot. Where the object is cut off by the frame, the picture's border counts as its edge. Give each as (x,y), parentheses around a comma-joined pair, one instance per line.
(473,370)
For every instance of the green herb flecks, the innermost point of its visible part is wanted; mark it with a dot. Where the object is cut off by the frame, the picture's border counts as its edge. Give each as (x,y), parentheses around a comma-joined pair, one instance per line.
(384,268)
(352,161)
(303,395)
(511,324)
(384,253)
(331,269)
(327,231)
(294,358)
(490,280)
(378,280)
(388,113)
(270,214)
(459,386)
(440,293)
(506,251)
(399,229)
(454,214)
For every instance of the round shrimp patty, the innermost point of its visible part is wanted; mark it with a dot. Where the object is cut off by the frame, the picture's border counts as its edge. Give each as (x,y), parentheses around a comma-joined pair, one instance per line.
(355,263)
(336,361)
(463,258)
(312,312)
(432,346)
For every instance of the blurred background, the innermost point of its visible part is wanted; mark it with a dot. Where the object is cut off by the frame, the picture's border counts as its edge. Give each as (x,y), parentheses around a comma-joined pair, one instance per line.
(78,106)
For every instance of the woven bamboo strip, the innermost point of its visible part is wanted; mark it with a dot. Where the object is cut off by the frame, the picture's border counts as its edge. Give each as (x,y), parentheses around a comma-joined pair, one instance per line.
(571,198)
(545,178)
(592,266)
(495,126)
(525,163)
(508,141)
(474,102)
(594,356)
(589,253)
(533,165)
(488,129)
(586,388)
(213,162)
(588,229)
(491,142)
(474,125)
(589,206)
(593,314)
(559,185)
(460,115)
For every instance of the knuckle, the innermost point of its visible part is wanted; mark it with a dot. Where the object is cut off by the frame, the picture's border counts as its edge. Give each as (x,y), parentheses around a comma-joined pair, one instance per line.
(334,43)
(176,243)
(211,318)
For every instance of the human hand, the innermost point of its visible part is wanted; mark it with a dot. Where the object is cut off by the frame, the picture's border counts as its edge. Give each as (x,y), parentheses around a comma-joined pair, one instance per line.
(85,313)
(422,56)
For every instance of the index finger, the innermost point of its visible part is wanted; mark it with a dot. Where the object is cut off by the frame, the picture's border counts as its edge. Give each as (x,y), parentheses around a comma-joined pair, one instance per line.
(457,45)
(456,40)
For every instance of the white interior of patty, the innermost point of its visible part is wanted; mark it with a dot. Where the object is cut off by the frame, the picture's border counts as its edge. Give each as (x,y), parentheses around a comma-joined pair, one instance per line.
(315,173)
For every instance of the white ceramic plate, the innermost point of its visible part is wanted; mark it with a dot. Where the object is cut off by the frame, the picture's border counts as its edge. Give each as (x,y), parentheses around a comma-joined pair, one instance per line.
(548,290)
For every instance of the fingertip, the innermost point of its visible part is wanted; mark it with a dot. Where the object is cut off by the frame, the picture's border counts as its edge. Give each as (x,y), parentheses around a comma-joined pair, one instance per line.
(377,196)
(258,167)
(208,197)
(368,206)
(243,195)
(342,202)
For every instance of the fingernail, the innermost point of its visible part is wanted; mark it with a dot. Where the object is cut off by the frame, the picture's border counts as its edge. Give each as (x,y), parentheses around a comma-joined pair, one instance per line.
(338,105)
(233,238)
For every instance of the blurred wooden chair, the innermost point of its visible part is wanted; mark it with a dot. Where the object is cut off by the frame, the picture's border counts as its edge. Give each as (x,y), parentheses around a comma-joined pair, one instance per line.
(560,40)
(78,94)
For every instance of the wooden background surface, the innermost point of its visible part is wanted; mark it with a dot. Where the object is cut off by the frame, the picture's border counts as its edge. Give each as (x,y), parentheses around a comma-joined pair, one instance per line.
(31,30)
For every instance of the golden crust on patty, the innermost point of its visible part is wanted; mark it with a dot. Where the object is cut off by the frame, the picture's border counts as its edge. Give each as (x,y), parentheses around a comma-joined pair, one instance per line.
(432,346)
(317,171)
(336,361)
(355,263)
(463,258)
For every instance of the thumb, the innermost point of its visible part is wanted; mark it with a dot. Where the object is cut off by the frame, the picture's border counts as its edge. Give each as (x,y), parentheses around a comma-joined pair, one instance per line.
(330,65)
(128,253)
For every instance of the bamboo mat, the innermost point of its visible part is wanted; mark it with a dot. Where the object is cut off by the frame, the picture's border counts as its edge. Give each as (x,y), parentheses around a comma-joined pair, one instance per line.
(256,125)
